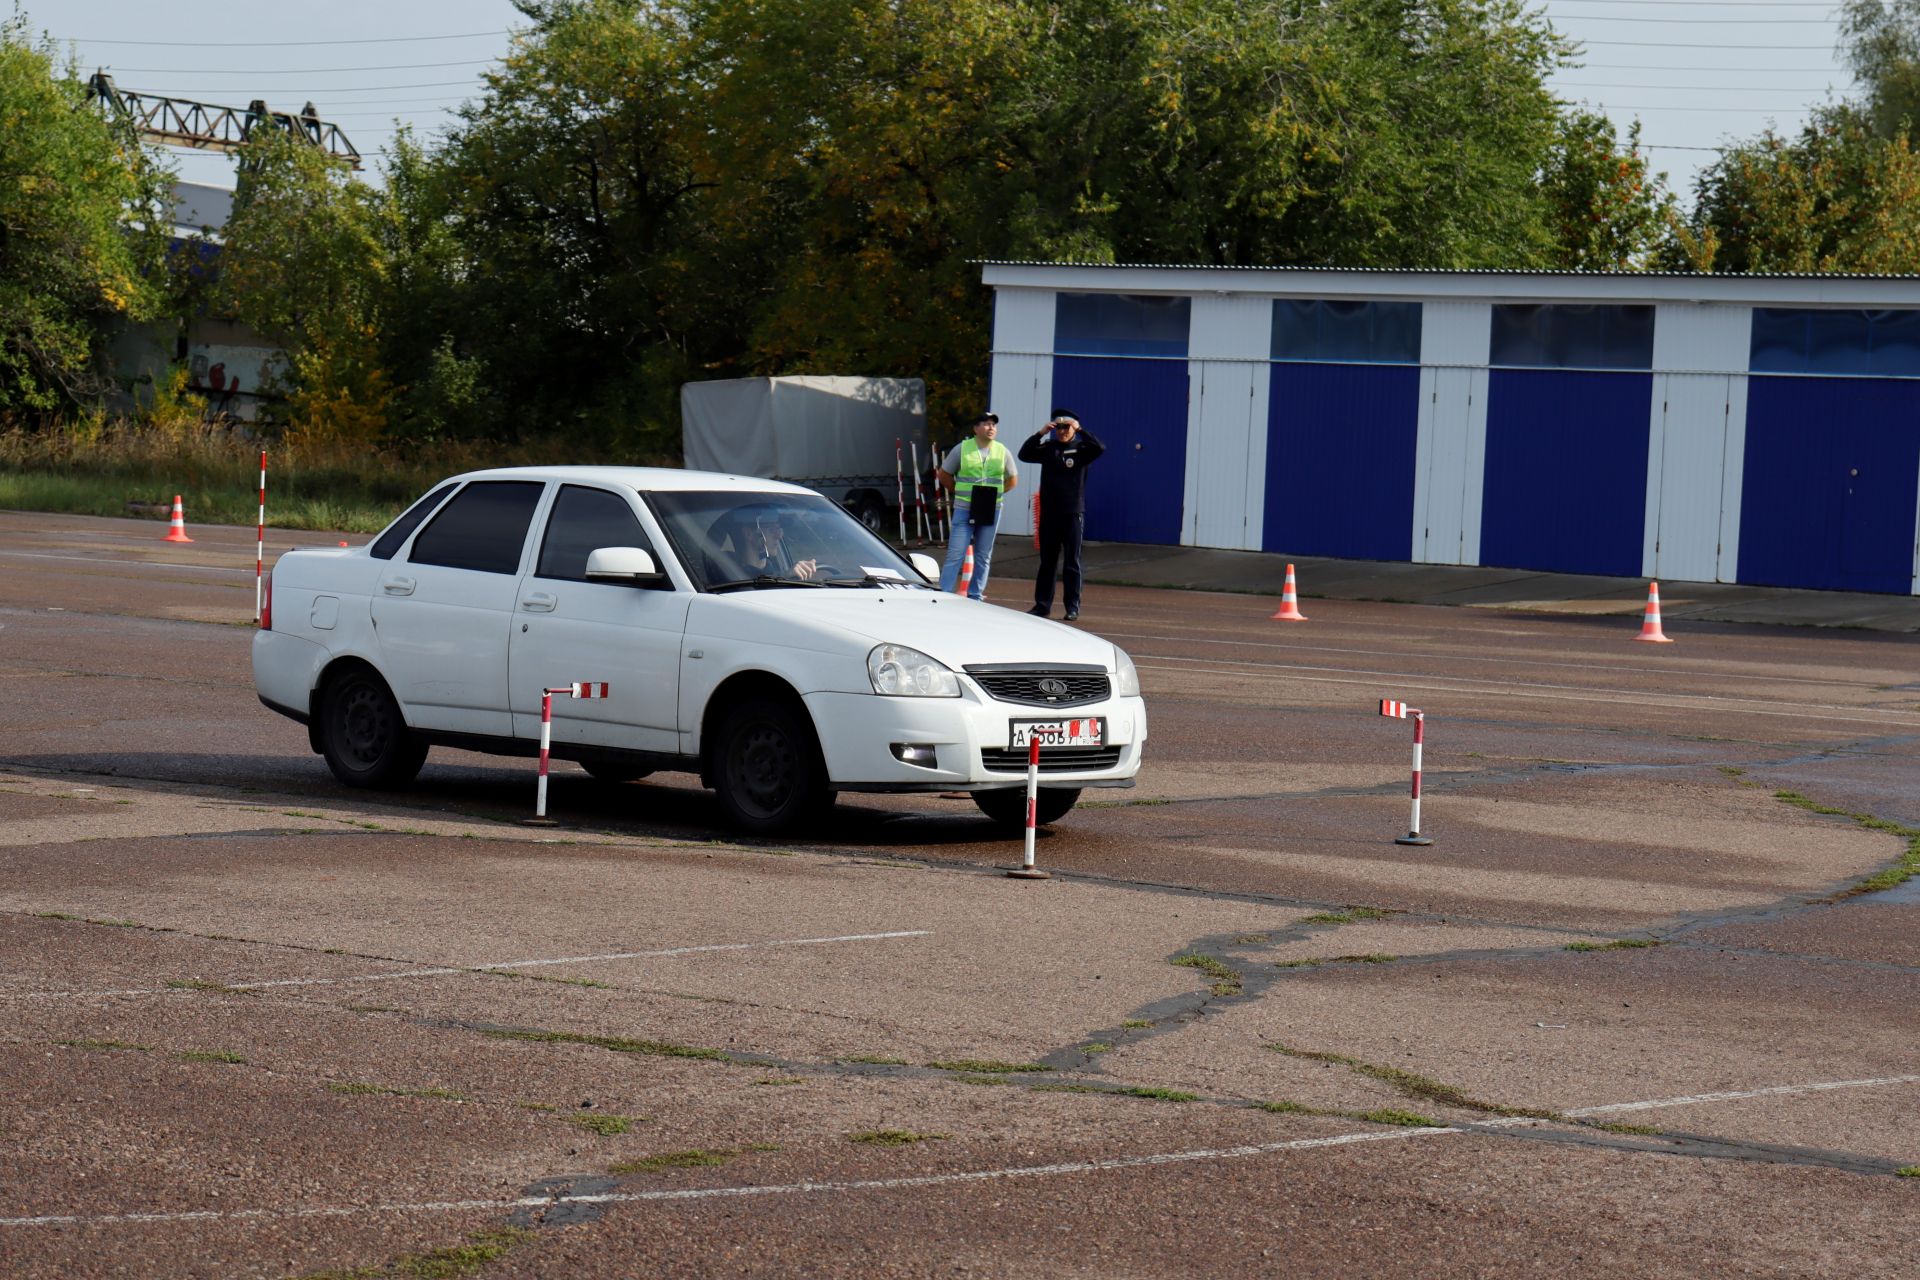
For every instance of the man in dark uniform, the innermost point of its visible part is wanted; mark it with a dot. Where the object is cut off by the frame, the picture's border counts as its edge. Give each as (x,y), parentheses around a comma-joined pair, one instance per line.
(1064,449)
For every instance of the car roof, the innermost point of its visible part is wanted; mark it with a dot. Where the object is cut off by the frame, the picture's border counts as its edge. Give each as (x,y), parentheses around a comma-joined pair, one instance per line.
(642,478)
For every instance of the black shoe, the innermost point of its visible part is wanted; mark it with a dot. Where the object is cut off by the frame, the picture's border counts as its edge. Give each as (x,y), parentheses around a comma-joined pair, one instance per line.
(1039,610)
(1073,615)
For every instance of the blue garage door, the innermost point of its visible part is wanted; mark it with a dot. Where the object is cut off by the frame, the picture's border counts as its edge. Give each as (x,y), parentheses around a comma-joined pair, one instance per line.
(1566,478)
(1138,409)
(1340,451)
(1832,469)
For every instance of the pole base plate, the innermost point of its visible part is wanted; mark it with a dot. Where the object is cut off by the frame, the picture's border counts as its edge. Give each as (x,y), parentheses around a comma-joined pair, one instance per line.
(1028,873)
(1413,837)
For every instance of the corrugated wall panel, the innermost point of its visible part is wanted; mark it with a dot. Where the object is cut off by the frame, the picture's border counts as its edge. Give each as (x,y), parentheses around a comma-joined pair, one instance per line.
(1340,459)
(1830,484)
(1566,470)
(1138,409)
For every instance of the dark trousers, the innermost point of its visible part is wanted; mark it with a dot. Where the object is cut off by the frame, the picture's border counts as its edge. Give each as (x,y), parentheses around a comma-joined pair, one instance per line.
(1059,534)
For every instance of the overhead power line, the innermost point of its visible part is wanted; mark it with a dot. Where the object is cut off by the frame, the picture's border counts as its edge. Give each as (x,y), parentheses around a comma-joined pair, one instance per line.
(292,71)
(275,44)
(296,92)
(1676,44)
(1743,22)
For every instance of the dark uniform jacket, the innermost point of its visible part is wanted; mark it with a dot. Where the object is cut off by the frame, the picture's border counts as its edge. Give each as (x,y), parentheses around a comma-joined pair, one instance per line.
(1063,470)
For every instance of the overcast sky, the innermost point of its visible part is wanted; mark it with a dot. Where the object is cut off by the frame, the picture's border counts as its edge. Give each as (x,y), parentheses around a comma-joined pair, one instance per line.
(1696,72)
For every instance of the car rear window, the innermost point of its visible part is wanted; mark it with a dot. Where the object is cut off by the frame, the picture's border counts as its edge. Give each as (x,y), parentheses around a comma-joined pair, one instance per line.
(387,544)
(483,527)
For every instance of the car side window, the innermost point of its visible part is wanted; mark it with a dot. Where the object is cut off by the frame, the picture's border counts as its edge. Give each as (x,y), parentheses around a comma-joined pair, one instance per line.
(583,521)
(389,543)
(484,527)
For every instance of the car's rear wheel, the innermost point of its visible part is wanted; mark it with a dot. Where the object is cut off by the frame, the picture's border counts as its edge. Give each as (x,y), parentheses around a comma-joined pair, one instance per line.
(767,767)
(1008,806)
(610,771)
(363,735)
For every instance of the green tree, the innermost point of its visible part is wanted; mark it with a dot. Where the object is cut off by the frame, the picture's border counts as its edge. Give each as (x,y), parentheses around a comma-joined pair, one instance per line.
(1606,211)
(82,233)
(1837,197)
(1880,40)
(304,263)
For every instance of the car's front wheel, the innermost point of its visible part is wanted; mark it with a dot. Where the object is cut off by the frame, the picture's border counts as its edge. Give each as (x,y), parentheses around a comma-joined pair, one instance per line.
(767,767)
(363,735)
(1008,805)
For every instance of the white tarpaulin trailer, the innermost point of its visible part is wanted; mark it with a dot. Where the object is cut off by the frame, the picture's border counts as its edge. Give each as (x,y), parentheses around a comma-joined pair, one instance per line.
(834,434)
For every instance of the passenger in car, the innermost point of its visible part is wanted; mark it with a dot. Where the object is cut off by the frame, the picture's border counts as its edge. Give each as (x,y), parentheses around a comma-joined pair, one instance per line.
(758,534)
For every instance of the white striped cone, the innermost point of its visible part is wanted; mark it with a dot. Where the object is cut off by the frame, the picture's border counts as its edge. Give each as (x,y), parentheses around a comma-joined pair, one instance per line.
(1289,610)
(1650,625)
(177,530)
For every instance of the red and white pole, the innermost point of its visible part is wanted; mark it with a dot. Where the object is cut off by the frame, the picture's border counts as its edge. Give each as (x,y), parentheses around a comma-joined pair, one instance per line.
(1401,711)
(1026,870)
(919,492)
(260,539)
(900,489)
(579,689)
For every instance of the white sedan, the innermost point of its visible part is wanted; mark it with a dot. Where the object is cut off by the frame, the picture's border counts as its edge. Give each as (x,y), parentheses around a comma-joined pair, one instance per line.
(749,631)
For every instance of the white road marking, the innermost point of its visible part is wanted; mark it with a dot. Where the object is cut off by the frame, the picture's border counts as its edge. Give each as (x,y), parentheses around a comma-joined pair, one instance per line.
(443,970)
(925,1180)
(1272,671)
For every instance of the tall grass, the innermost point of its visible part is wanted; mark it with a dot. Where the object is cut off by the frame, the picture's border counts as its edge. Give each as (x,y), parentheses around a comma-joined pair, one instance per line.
(98,467)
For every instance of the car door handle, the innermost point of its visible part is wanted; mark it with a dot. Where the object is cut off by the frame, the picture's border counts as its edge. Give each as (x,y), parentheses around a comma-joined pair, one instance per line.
(398,586)
(538,602)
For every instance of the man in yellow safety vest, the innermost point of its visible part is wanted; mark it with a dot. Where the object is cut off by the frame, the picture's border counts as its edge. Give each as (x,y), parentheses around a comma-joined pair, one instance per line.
(978,473)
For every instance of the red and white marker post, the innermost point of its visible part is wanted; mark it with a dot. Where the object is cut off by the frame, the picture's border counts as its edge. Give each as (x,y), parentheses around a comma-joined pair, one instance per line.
(900,488)
(260,539)
(1026,870)
(578,689)
(1401,711)
(919,492)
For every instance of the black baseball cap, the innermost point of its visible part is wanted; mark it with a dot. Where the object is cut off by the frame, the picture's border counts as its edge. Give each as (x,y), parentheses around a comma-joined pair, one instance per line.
(1059,413)
(986,415)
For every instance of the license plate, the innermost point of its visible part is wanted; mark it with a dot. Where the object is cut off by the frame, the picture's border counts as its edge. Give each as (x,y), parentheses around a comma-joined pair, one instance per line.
(1091,732)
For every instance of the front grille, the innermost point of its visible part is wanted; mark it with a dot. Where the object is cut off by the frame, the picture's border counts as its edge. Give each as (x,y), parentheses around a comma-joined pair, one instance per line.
(1078,685)
(1052,759)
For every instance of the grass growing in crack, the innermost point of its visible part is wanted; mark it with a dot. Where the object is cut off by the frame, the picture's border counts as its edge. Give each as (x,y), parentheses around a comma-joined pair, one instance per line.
(1348,916)
(1096,1046)
(607,1126)
(1388,1115)
(1134,1024)
(1226,979)
(1618,944)
(1285,1108)
(104,1044)
(1908,1171)
(987,1066)
(450,1263)
(1415,1086)
(776,1080)
(1251,939)
(210,1055)
(542,977)
(613,1044)
(695,1159)
(1902,871)
(1733,771)
(1136,1091)
(871,1060)
(1636,1130)
(894,1137)
(1372,957)
(53,915)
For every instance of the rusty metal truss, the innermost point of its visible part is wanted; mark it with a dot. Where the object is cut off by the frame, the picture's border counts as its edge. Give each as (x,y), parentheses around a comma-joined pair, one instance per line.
(181,122)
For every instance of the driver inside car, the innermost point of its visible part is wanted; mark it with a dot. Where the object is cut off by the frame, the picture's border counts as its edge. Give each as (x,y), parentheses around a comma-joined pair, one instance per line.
(760,540)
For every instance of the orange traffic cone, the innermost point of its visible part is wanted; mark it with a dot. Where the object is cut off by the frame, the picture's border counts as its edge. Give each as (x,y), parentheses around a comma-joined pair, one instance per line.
(966,574)
(1650,626)
(1289,610)
(177,531)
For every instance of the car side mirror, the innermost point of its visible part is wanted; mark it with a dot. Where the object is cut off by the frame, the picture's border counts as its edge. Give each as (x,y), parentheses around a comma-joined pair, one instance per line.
(630,565)
(929,567)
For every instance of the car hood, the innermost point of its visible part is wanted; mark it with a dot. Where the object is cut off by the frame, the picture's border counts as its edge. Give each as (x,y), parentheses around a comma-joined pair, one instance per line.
(957,631)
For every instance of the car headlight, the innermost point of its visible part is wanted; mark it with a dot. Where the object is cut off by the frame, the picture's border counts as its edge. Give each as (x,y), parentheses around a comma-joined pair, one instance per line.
(1126,683)
(900,672)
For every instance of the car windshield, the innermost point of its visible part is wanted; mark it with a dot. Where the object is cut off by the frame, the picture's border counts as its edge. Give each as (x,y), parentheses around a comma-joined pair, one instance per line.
(732,541)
